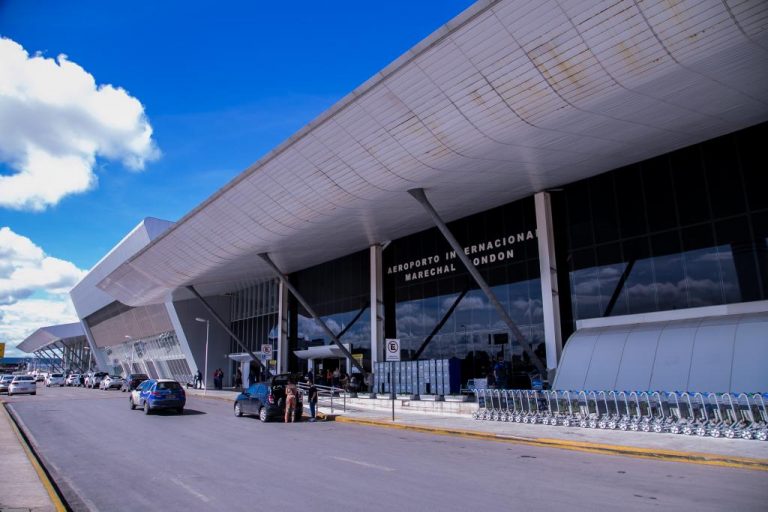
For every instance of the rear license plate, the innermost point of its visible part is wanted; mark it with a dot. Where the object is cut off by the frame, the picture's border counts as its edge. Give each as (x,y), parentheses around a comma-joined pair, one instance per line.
(170,397)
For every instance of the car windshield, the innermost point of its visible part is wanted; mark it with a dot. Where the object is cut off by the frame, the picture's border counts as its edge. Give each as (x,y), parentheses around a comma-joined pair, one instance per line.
(24,378)
(57,375)
(168,385)
(138,376)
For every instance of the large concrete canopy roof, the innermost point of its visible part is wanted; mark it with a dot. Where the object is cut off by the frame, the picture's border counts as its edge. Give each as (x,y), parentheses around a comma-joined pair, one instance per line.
(46,336)
(509,98)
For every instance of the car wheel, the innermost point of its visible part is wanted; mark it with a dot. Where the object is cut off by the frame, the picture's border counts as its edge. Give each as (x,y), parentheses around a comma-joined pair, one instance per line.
(263,415)
(133,405)
(181,410)
(34,392)
(147,410)
(238,410)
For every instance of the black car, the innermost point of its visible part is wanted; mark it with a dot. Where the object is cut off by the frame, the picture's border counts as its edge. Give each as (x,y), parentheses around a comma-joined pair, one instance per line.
(132,381)
(267,399)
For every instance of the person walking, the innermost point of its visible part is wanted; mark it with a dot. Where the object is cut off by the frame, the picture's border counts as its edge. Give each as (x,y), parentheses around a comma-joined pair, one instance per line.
(198,379)
(291,393)
(312,396)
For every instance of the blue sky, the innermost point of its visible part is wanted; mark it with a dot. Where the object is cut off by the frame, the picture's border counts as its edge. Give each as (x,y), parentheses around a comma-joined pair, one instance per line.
(220,85)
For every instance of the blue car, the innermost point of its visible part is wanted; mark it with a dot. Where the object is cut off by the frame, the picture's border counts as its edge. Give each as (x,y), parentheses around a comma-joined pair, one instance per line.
(156,394)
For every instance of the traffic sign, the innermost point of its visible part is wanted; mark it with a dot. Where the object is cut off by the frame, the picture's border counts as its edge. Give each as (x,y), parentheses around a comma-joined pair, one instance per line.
(392,349)
(266,352)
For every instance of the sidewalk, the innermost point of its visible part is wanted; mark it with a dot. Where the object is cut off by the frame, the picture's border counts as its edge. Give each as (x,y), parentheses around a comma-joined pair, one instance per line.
(737,453)
(24,485)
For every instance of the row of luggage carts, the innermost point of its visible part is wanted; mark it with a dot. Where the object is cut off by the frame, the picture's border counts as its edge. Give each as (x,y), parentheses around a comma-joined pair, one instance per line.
(729,415)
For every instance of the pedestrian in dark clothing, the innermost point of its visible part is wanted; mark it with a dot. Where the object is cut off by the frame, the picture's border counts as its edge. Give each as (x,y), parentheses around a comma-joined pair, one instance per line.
(312,396)
(198,380)
(238,379)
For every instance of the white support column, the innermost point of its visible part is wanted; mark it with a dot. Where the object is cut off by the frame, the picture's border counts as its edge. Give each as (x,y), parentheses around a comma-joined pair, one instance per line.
(376,304)
(98,354)
(549,294)
(282,334)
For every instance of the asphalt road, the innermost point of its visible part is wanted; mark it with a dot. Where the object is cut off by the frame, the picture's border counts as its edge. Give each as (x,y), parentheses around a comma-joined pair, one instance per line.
(106,457)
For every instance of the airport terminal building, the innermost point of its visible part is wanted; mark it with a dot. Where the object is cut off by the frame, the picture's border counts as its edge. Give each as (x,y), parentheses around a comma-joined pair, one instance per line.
(577,190)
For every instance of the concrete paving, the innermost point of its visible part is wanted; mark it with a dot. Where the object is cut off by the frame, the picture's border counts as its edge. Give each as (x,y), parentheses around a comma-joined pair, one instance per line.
(21,487)
(643,444)
(104,456)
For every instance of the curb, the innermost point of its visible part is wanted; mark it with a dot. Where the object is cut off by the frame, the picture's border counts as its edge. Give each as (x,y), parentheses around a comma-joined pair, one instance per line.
(580,446)
(41,474)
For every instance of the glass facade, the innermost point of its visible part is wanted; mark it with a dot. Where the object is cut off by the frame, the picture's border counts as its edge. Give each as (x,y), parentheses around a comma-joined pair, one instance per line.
(338,291)
(253,316)
(423,279)
(681,230)
(158,356)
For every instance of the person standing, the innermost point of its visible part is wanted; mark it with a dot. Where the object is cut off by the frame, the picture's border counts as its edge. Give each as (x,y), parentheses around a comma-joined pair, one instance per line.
(312,396)
(198,379)
(291,392)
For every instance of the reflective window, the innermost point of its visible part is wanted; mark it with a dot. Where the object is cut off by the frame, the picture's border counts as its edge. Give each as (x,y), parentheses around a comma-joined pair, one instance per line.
(692,230)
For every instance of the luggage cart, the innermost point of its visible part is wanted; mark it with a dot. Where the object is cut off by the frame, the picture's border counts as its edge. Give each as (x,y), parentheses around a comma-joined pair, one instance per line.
(737,417)
(550,415)
(532,401)
(481,404)
(610,414)
(498,411)
(626,418)
(572,414)
(646,414)
(508,413)
(521,403)
(761,429)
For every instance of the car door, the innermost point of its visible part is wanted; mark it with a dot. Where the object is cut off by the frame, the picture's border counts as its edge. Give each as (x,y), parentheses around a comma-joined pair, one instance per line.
(256,398)
(140,393)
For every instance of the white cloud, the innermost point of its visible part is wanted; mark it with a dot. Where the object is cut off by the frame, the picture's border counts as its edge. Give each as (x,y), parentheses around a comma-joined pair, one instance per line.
(55,121)
(19,320)
(33,289)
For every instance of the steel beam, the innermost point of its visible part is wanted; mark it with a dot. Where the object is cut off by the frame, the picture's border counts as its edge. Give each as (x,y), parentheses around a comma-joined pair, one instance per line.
(619,287)
(225,326)
(284,279)
(350,324)
(441,323)
(421,197)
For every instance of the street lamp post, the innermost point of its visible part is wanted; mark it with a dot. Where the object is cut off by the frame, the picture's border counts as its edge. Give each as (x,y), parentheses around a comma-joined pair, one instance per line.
(207,332)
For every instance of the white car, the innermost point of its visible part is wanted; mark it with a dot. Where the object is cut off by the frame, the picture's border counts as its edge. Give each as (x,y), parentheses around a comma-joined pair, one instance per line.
(22,384)
(73,380)
(5,382)
(111,381)
(54,379)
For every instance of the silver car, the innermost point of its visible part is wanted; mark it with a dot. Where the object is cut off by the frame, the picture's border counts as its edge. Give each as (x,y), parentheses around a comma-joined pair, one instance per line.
(54,379)
(22,384)
(111,381)
(5,381)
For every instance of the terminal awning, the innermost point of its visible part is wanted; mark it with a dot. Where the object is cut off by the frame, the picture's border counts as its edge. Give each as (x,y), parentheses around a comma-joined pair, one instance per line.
(510,98)
(321,352)
(50,335)
(716,354)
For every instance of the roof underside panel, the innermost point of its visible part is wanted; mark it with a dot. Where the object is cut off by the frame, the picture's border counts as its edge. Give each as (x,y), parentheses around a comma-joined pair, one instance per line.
(510,98)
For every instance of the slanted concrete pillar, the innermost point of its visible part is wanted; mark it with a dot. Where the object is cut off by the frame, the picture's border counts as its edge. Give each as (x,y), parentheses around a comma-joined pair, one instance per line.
(376,304)
(549,294)
(282,328)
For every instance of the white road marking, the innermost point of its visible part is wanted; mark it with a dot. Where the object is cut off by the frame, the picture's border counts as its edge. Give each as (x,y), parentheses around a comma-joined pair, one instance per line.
(202,497)
(365,464)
